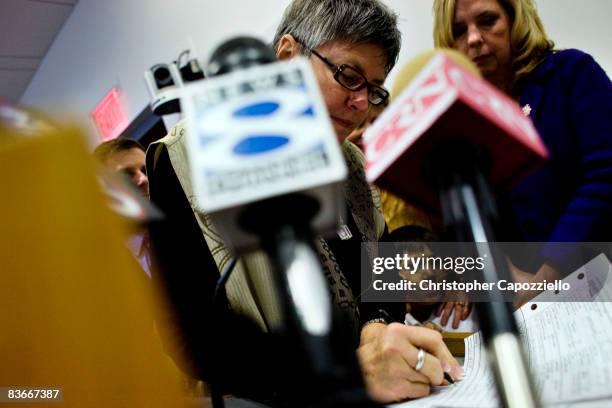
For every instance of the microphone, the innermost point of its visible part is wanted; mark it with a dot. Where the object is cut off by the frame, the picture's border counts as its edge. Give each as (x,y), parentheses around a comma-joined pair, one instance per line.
(456,135)
(439,98)
(257,132)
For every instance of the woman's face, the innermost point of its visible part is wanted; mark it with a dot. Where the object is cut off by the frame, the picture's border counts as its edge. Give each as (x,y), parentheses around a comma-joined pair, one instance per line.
(356,135)
(348,109)
(481,29)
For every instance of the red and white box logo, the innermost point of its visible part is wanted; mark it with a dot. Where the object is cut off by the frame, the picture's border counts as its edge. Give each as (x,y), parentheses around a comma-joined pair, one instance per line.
(446,102)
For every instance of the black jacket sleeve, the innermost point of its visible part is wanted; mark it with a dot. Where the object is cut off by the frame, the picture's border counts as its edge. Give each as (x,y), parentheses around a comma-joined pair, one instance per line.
(216,346)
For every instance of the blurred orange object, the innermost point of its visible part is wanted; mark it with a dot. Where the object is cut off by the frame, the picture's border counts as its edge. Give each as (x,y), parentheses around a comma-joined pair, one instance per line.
(76,312)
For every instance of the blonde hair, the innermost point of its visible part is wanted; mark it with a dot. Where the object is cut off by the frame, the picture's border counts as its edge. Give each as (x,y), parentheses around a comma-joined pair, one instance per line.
(529,42)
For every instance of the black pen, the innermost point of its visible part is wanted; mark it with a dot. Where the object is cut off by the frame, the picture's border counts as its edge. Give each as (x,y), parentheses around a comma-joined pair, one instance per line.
(411,321)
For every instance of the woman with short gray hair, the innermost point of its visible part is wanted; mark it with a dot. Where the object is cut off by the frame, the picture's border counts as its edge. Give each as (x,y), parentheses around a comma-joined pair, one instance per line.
(352,46)
(352,21)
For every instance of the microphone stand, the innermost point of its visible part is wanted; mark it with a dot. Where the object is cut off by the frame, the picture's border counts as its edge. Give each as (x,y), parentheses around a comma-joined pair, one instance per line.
(283,224)
(468,209)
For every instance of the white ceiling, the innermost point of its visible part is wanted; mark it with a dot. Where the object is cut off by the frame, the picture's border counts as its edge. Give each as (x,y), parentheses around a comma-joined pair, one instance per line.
(27,30)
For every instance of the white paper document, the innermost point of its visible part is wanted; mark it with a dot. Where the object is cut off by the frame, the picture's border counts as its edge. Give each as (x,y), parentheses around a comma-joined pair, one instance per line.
(568,347)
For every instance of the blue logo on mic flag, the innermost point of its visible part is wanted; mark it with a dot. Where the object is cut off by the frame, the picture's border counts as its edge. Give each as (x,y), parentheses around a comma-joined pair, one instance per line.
(308,112)
(266,109)
(260,144)
(257,109)
(257,144)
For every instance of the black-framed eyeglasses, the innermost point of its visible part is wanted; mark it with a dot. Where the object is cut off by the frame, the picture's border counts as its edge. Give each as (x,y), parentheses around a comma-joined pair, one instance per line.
(353,80)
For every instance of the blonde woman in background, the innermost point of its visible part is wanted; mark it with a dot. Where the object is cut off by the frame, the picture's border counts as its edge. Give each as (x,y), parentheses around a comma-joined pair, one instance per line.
(568,96)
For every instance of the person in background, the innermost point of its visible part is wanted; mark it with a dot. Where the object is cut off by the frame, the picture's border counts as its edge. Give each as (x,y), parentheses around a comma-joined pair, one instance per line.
(127,156)
(568,96)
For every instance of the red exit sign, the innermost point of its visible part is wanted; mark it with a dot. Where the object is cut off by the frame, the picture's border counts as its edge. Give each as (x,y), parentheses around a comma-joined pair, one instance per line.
(110,116)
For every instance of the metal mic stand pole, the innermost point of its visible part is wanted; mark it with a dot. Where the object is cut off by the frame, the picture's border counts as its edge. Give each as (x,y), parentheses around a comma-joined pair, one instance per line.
(467,207)
(283,223)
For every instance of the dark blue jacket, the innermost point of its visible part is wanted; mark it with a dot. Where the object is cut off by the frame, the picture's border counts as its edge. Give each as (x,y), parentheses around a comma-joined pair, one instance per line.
(569,199)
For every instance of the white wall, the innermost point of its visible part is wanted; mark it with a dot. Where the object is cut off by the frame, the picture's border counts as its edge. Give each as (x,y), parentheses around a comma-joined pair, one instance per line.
(112,42)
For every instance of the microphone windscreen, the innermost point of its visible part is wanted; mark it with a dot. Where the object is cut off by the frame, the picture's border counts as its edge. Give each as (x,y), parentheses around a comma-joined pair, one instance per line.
(416,65)
(239,53)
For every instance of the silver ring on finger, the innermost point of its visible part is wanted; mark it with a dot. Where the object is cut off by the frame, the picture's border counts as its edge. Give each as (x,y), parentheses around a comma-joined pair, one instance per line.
(420,360)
